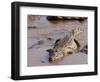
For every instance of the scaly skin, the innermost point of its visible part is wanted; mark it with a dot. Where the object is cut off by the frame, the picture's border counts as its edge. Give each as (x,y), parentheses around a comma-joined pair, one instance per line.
(63,47)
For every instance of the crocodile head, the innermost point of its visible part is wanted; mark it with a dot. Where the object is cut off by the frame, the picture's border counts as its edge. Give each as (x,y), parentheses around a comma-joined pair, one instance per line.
(54,55)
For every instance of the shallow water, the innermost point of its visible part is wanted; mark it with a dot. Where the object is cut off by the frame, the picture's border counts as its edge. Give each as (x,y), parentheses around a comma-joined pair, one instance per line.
(42,35)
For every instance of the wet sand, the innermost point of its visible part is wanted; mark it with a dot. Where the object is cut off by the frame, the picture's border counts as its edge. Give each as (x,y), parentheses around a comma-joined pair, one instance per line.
(42,35)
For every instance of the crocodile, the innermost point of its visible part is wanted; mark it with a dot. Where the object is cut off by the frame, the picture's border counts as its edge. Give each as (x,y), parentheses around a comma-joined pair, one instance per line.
(65,46)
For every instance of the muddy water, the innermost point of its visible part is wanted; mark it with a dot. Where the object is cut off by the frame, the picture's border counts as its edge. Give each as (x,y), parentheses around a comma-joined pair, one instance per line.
(42,35)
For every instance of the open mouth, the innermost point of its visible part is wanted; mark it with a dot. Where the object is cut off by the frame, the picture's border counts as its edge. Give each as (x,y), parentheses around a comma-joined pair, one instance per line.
(56,58)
